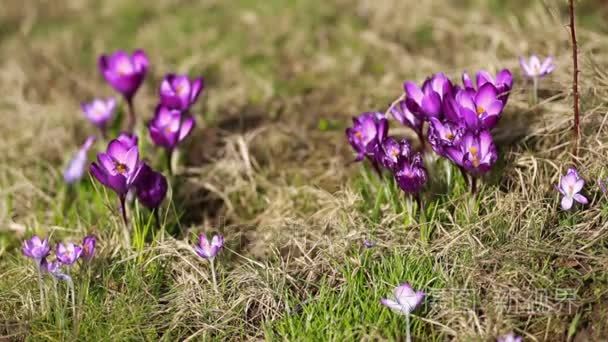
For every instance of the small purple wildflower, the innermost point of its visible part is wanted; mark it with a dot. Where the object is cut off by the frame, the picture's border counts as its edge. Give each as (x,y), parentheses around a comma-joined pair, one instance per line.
(68,253)
(124,72)
(368,243)
(100,112)
(368,131)
(88,247)
(179,92)
(476,153)
(510,337)
(410,173)
(503,82)
(77,165)
(150,187)
(426,101)
(402,114)
(405,299)
(169,127)
(570,186)
(209,249)
(533,68)
(36,248)
(54,268)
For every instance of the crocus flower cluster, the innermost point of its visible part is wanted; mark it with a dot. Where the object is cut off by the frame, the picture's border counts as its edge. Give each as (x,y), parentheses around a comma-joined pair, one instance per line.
(172,121)
(121,170)
(369,138)
(66,254)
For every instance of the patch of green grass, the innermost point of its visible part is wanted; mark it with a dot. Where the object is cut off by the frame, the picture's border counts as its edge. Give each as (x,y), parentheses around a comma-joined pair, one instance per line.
(353,310)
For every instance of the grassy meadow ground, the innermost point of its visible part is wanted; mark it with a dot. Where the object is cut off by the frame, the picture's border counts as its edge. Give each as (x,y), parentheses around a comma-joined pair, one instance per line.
(269,167)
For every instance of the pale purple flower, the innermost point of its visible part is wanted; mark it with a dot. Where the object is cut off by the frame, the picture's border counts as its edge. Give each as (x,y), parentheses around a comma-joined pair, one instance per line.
(405,299)
(368,243)
(127,139)
(602,186)
(54,269)
(88,247)
(100,112)
(533,68)
(570,186)
(36,248)
(402,114)
(510,337)
(179,92)
(209,249)
(77,165)
(68,253)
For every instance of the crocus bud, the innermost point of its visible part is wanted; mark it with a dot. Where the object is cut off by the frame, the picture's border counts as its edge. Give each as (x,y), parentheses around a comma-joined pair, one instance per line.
(99,112)
(124,72)
(88,247)
(151,187)
(179,92)
(77,164)
(206,249)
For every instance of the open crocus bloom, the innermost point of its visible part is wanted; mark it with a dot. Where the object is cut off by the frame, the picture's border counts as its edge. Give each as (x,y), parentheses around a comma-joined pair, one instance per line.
(179,92)
(390,151)
(36,248)
(54,269)
(124,72)
(570,187)
(208,249)
(402,114)
(481,109)
(476,152)
(169,127)
(99,112)
(406,299)
(368,130)
(427,101)
(119,166)
(68,253)
(151,187)
(77,164)
(444,134)
(533,68)
(510,337)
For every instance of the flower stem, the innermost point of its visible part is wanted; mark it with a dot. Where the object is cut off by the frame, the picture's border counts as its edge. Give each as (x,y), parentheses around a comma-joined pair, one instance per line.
(422,141)
(170,161)
(473,185)
(73,293)
(131,124)
(41,288)
(408,337)
(123,211)
(534,90)
(213,278)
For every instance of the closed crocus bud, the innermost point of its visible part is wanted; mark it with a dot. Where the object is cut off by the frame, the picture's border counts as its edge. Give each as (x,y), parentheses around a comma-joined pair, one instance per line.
(68,253)
(405,299)
(179,92)
(99,112)
(88,247)
(36,248)
(151,187)
(169,127)
(410,173)
(119,166)
(78,163)
(209,249)
(124,72)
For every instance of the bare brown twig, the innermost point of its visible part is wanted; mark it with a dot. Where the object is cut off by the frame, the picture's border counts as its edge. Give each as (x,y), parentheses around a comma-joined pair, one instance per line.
(575,72)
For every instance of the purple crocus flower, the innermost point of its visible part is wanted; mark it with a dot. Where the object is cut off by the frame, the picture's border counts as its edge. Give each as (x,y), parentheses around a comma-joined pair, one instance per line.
(503,82)
(510,337)
(151,187)
(476,152)
(124,72)
(128,140)
(179,92)
(208,249)
(368,130)
(444,134)
(390,152)
(410,174)
(402,114)
(533,68)
(77,165)
(570,187)
(405,299)
(88,247)
(169,127)
(36,248)
(480,109)
(68,253)
(427,101)
(368,243)
(99,112)
(119,166)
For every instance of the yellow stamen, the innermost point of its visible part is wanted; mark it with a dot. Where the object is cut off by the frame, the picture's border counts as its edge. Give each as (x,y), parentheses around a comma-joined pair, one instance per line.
(121,168)
(480,110)
(449,136)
